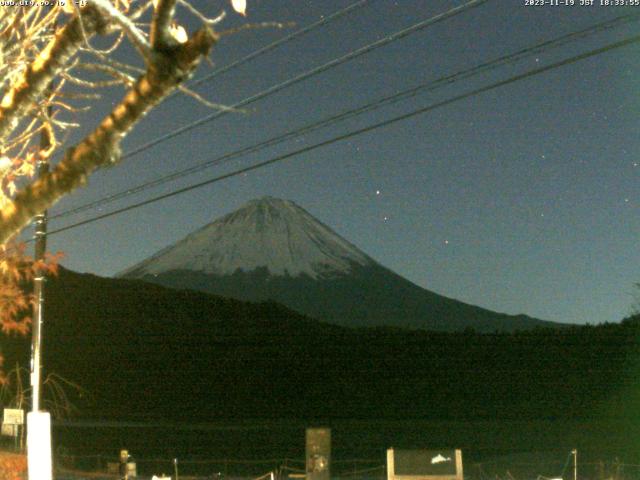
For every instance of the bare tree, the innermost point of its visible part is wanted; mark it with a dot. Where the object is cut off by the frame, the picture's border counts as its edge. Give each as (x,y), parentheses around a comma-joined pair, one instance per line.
(49,71)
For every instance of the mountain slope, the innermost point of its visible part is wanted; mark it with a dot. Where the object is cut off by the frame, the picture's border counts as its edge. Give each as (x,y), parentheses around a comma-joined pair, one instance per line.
(142,350)
(274,249)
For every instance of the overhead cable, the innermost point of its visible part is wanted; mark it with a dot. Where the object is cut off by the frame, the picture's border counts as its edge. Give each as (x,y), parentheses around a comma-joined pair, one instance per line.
(273,45)
(375,126)
(388,100)
(310,73)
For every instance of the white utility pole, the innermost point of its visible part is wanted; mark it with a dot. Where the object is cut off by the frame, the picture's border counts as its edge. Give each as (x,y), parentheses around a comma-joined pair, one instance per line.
(39,423)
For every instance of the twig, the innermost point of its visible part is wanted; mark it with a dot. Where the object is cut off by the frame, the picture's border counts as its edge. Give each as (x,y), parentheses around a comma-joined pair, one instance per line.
(196,96)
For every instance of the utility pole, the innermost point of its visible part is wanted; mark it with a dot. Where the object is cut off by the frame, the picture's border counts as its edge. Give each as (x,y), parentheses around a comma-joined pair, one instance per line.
(40,223)
(575,463)
(38,422)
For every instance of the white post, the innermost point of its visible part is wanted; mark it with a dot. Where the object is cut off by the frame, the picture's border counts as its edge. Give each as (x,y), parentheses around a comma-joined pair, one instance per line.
(39,423)
(39,446)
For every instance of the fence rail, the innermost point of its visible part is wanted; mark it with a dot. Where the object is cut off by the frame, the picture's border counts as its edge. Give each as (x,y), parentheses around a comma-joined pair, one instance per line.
(92,467)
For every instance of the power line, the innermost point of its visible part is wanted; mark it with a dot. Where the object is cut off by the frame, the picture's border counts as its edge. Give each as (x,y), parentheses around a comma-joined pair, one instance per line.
(375,126)
(310,73)
(403,95)
(281,41)
(267,48)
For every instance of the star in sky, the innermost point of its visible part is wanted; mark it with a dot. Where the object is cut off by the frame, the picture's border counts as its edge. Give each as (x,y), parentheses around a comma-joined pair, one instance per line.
(560,116)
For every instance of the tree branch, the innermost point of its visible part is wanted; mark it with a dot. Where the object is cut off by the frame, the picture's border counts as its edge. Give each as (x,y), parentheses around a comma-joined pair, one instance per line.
(160,24)
(135,35)
(21,97)
(102,147)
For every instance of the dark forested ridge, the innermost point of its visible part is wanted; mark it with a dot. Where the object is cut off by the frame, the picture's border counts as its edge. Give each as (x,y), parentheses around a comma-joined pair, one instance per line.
(145,351)
(367,296)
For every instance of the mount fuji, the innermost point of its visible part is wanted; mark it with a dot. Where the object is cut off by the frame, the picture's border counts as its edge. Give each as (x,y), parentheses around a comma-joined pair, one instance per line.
(272,249)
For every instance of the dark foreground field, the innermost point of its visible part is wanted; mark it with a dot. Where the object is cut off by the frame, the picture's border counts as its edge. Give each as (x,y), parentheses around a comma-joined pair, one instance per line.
(182,374)
(251,448)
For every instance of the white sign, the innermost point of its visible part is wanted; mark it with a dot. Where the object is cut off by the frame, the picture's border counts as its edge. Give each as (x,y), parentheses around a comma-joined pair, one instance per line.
(9,430)
(440,459)
(13,416)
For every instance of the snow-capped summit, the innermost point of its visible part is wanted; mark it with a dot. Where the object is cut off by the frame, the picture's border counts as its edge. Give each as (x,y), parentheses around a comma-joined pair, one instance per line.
(265,233)
(272,249)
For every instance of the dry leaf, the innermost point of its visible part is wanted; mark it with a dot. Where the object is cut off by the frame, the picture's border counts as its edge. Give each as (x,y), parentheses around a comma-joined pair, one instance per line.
(5,163)
(240,6)
(178,33)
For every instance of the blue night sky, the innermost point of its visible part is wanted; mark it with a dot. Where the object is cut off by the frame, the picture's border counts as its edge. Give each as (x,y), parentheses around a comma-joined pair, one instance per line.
(523,199)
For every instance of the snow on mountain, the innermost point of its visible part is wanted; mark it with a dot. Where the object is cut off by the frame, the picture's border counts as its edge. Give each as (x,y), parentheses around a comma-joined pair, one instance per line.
(265,233)
(272,249)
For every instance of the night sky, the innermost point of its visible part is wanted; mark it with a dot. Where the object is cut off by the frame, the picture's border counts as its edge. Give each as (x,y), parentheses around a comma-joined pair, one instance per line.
(523,199)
